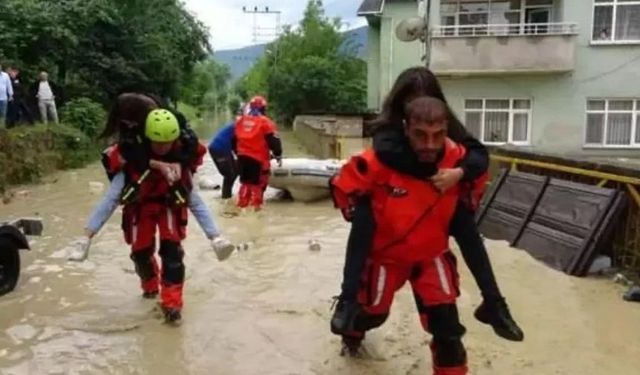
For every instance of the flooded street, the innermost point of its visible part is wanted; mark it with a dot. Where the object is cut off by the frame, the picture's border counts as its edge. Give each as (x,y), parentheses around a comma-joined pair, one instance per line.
(266,310)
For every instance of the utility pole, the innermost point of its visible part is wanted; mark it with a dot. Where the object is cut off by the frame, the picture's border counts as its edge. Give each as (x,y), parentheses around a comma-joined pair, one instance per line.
(427,39)
(263,34)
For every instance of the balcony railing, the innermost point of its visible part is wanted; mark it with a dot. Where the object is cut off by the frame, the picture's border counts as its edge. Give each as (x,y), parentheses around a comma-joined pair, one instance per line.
(558,28)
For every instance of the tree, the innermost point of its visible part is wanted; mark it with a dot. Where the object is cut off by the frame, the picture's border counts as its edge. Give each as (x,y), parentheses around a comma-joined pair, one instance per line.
(206,87)
(254,82)
(98,48)
(311,68)
(234,104)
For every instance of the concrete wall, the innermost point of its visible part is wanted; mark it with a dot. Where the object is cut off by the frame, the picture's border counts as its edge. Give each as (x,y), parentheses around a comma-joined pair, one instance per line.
(391,56)
(334,125)
(313,140)
(373,66)
(558,11)
(493,54)
(330,137)
(559,100)
(351,146)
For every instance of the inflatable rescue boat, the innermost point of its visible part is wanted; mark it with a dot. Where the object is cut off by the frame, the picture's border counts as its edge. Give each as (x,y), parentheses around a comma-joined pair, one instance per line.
(306,180)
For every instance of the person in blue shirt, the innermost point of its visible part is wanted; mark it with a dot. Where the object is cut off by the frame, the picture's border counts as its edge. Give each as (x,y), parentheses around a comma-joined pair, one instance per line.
(221,150)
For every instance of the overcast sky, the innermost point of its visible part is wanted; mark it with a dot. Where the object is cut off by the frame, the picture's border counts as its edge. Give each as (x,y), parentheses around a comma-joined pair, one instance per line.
(231,28)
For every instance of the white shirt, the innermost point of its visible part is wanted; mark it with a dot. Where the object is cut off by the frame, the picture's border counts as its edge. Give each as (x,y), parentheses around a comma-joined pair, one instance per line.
(6,90)
(44,91)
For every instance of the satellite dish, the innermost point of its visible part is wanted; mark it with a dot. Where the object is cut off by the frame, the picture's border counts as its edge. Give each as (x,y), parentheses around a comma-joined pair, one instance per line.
(412,29)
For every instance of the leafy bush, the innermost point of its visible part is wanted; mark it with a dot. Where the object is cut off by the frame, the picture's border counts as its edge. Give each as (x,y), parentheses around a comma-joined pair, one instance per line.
(29,152)
(85,115)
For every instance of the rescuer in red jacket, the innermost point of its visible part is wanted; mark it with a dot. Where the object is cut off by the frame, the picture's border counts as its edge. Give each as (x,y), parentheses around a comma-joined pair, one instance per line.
(410,217)
(256,138)
(391,147)
(153,204)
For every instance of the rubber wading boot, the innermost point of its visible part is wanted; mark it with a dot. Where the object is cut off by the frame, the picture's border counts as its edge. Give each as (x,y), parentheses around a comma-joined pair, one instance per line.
(172,316)
(150,295)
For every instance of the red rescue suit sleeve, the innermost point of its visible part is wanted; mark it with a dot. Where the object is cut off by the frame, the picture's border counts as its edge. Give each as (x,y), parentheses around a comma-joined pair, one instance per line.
(201,151)
(269,126)
(112,160)
(477,189)
(352,182)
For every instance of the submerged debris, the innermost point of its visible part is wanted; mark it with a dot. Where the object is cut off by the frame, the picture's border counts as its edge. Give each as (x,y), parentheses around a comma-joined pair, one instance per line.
(622,279)
(314,245)
(244,246)
(633,294)
(208,184)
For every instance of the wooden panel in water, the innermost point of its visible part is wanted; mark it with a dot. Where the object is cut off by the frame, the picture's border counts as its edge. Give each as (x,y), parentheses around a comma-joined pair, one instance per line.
(563,224)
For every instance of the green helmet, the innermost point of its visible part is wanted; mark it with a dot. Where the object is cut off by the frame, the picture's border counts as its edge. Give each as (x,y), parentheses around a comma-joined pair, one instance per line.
(162,126)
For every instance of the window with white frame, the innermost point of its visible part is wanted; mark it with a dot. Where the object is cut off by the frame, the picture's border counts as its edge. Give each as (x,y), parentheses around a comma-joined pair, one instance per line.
(461,17)
(616,21)
(499,121)
(613,123)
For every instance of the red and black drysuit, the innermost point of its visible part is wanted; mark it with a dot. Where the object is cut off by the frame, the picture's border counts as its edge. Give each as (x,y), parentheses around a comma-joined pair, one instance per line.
(402,223)
(150,203)
(393,150)
(256,137)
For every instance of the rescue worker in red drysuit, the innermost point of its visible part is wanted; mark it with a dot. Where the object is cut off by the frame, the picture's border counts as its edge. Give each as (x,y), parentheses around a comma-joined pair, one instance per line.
(410,241)
(255,138)
(390,144)
(151,200)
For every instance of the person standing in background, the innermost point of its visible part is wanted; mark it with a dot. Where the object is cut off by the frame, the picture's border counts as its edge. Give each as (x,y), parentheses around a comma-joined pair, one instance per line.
(221,149)
(18,110)
(6,95)
(46,99)
(256,138)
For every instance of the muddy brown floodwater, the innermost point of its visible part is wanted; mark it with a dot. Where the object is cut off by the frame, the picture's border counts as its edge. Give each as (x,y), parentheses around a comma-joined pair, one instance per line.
(266,310)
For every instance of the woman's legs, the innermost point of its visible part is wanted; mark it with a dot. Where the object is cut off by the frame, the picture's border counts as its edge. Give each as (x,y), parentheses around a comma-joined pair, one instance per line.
(493,310)
(463,228)
(358,247)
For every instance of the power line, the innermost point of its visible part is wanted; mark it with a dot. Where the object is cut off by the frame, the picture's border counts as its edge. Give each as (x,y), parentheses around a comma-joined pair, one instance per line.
(263,33)
(611,71)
